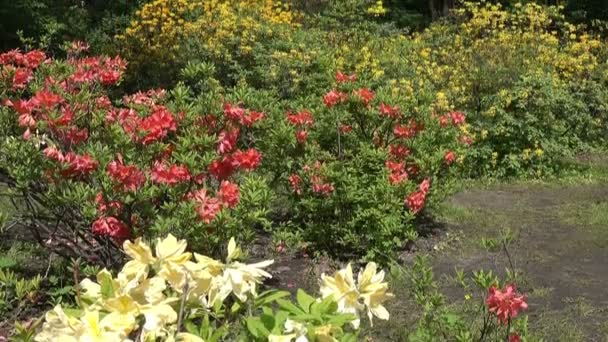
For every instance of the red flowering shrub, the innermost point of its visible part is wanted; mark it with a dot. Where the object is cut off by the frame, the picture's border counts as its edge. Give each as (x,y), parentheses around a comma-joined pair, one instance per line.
(360,164)
(505,303)
(93,169)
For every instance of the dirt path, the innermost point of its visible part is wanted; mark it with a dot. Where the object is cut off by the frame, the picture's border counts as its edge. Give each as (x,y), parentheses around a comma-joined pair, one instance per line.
(559,247)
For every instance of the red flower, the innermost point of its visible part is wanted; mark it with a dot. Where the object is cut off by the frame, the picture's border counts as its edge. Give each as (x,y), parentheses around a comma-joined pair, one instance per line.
(26,120)
(365,94)
(110,226)
(234,113)
(301,136)
(320,187)
(415,201)
(229,194)
(109,77)
(425,186)
(21,106)
(247,160)
(129,177)
(404,132)
(443,120)
(170,176)
(394,166)
(206,207)
(222,169)
(389,111)
(334,97)
(251,118)
(295,182)
(34,58)
(103,102)
(346,129)
(398,151)
(46,99)
(343,78)
(457,118)
(53,153)
(103,206)
(227,141)
(157,125)
(449,157)
(514,338)
(78,165)
(398,173)
(466,140)
(505,303)
(11,57)
(21,77)
(303,118)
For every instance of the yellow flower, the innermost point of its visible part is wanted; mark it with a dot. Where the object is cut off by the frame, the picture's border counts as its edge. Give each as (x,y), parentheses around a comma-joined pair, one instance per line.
(186,337)
(342,288)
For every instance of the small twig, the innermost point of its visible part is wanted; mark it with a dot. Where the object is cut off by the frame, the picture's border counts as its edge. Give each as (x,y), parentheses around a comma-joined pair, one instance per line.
(182,305)
(504,245)
(48,268)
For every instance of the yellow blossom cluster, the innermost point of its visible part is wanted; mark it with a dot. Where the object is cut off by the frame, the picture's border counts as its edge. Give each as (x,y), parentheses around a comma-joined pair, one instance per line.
(153,289)
(162,27)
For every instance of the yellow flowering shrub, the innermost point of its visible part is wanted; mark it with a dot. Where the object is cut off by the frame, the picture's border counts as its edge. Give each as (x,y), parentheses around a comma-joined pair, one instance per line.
(159,292)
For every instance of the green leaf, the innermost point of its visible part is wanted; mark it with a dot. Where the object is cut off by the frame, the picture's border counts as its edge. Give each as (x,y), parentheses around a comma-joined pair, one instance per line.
(256,327)
(289,306)
(304,300)
(270,296)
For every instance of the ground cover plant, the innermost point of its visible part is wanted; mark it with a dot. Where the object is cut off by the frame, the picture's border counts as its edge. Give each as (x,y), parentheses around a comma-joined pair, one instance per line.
(307,132)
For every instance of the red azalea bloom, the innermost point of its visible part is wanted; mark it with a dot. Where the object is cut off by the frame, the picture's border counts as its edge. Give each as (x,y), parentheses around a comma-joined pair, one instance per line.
(449,157)
(234,113)
(110,226)
(222,169)
(425,186)
(73,136)
(226,141)
(365,94)
(46,100)
(109,77)
(78,165)
(103,206)
(26,120)
(343,78)
(11,57)
(514,338)
(53,153)
(457,118)
(301,136)
(397,177)
(21,106)
(157,125)
(129,177)
(398,151)
(303,118)
(295,182)
(505,303)
(389,111)
(103,102)
(251,118)
(415,201)
(443,120)
(404,132)
(21,78)
(346,129)
(466,140)
(229,194)
(247,160)
(34,58)
(334,97)
(206,207)
(320,187)
(174,174)
(394,166)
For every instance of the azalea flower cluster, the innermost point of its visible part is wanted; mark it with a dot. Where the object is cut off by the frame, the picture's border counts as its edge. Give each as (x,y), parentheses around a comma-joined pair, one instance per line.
(145,295)
(145,298)
(505,303)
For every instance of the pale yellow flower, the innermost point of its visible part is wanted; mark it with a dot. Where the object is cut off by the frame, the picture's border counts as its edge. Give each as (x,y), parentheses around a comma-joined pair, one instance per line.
(186,337)
(373,291)
(342,288)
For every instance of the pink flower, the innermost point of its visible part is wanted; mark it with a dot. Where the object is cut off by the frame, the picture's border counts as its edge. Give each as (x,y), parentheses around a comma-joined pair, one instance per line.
(229,194)
(173,175)
(34,58)
(449,157)
(46,100)
(21,78)
(227,141)
(53,153)
(110,226)
(505,303)
(78,165)
(234,113)
(514,338)
(425,186)
(398,151)
(301,136)
(457,118)
(443,120)
(346,129)
(334,97)
(206,207)
(247,160)
(320,187)
(251,118)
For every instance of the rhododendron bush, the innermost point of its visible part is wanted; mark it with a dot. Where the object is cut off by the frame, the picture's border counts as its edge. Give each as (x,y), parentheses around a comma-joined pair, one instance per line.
(89,169)
(362,164)
(169,294)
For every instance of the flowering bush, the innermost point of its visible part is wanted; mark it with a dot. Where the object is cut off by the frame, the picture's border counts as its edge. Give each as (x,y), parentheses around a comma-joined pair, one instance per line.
(91,171)
(167,296)
(361,165)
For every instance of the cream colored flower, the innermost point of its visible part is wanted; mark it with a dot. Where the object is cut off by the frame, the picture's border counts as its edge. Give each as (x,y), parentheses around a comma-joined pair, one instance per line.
(373,291)
(123,312)
(142,258)
(186,337)
(341,287)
